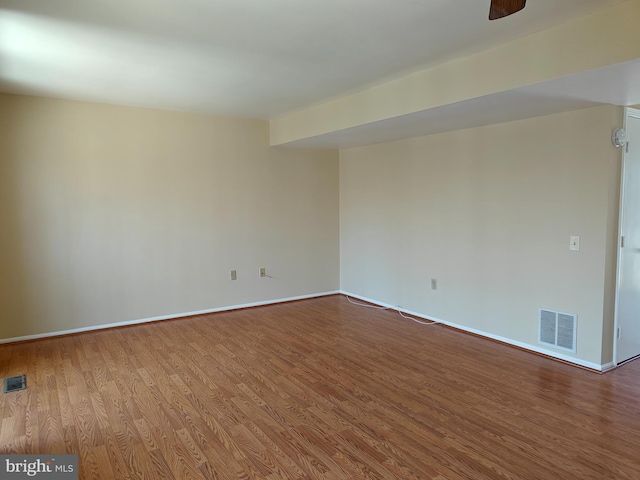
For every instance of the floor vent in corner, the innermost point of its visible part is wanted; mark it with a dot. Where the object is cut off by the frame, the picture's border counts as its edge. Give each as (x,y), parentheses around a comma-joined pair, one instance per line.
(13,384)
(558,329)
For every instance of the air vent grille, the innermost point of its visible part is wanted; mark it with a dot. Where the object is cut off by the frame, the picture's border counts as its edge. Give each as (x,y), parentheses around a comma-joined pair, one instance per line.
(558,329)
(13,384)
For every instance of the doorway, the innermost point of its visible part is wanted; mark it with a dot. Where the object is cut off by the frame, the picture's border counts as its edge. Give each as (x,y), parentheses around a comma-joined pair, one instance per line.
(627,321)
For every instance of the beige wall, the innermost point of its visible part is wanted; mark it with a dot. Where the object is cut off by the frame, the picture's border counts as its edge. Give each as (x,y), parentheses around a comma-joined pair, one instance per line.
(488,212)
(113,214)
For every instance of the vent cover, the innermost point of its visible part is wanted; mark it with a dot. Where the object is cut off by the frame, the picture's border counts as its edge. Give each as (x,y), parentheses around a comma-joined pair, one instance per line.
(558,329)
(13,384)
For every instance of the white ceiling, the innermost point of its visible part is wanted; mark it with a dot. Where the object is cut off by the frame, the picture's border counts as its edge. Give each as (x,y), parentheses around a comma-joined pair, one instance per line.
(261,58)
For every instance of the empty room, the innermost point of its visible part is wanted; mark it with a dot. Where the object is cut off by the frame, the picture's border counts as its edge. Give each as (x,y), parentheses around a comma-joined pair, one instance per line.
(304,239)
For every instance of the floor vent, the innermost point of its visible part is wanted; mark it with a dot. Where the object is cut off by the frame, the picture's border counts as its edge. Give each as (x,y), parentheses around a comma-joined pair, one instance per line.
(13,384)
(558,329)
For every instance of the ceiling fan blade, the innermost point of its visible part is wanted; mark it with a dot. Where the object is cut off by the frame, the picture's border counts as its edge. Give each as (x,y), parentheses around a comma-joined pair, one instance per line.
(503,8)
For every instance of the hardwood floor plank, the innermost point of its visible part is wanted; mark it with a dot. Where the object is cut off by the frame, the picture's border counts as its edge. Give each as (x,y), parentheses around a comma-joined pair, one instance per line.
(315,389)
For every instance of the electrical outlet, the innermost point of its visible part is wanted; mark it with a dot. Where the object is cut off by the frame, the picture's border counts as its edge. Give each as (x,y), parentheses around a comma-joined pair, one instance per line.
(434,284)
(263,272)
(234,275)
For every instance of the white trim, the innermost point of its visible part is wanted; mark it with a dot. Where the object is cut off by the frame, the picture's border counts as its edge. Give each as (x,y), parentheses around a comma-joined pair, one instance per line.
(508,341)
(525,346)
(632,112)
(164,317)
(628,112)
(608,366)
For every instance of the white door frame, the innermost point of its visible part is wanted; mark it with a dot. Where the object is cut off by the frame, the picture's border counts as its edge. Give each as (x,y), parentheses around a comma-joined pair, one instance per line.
(635,113)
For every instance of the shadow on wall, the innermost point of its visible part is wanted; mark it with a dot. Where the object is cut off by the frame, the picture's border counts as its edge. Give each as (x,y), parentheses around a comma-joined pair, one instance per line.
(14,296)
(36,243)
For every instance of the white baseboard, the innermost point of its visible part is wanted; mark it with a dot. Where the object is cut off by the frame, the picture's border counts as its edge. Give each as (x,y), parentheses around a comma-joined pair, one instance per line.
(525,346)
(608,366)
(163,317)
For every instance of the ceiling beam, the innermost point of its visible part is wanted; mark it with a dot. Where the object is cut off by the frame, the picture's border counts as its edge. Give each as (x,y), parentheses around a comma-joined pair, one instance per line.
(606,37)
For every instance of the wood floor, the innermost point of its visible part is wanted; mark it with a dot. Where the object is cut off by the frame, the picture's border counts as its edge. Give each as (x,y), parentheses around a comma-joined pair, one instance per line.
(315,389)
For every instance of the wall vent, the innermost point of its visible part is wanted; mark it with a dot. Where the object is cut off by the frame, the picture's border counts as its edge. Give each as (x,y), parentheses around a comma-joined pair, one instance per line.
(558,329)
(13,384)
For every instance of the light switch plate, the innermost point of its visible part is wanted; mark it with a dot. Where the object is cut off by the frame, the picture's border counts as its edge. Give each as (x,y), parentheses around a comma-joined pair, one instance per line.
(574,243)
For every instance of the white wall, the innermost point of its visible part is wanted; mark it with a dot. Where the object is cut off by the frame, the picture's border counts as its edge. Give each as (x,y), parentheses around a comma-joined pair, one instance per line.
(113,214)
(488,212)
